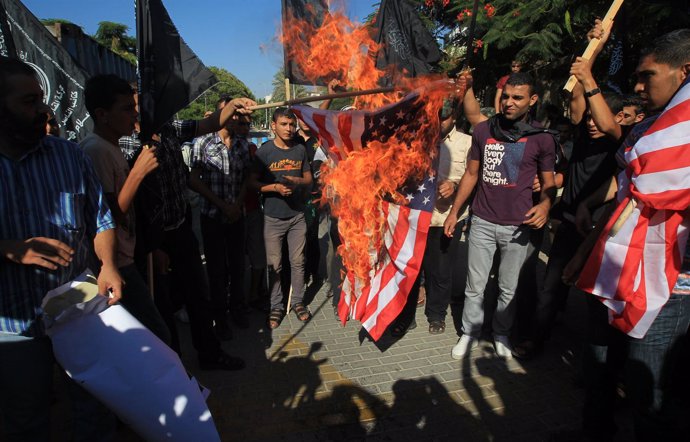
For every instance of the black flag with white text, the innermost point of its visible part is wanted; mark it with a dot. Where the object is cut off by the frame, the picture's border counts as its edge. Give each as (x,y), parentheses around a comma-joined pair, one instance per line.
(171,75)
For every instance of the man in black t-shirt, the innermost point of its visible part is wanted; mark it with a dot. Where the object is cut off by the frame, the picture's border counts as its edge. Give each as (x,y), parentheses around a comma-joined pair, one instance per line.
(591,164)
(280,173)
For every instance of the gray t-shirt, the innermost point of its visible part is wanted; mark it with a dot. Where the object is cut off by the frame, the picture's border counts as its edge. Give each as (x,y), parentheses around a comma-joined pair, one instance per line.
(271,164)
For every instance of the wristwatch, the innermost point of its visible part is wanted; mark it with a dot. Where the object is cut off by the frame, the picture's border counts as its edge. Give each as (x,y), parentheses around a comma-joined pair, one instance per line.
(593,92)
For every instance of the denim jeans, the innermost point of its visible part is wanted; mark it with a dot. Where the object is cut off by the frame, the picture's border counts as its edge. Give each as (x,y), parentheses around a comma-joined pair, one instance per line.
(485,237)
(649,368)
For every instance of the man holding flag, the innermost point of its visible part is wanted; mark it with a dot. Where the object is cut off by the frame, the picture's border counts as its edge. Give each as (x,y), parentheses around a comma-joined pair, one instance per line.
(171,77)
(639,268)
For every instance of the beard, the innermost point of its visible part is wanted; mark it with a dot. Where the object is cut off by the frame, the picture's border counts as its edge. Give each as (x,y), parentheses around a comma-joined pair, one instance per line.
(23,130)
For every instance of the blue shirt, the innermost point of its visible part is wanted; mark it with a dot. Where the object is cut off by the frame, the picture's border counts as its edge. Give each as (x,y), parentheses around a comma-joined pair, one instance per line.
(52,191)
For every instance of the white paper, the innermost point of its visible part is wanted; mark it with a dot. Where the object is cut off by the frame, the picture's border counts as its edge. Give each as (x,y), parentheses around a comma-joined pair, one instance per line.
(128,368)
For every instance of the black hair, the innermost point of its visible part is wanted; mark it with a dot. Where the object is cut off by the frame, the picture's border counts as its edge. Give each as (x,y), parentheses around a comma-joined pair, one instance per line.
(101,91)
(9,67)
(283,112)
(225,98)
(561,121)
(634,100)
(522,78)
(672,48)
(614,101)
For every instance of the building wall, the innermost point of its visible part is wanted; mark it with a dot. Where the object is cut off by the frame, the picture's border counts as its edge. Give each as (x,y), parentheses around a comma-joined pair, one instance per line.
(92,56)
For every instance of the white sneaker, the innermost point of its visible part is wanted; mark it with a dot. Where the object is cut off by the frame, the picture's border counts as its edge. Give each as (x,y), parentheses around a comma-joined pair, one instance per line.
(503,347)
(465,344)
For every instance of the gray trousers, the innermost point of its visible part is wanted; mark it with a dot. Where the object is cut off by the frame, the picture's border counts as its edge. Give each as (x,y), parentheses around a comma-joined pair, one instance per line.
(485,237)
(275,231)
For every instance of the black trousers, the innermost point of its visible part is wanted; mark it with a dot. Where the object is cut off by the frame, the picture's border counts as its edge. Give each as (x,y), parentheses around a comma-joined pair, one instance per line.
(182,248)
(439,262)
(224,251)
(553,295)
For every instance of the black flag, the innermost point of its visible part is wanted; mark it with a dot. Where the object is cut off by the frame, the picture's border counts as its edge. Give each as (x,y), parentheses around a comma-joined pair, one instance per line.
(171,75)
(407,45)
(23,36)
(309,11)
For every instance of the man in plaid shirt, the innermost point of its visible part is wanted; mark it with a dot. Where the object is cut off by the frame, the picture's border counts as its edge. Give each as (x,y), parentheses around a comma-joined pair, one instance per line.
(220,163)
(165,217)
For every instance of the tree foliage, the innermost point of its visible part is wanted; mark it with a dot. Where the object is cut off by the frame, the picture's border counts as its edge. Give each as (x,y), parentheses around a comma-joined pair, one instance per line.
(227,84)
(544,34)
(114,36)
(52,21)
(278,83)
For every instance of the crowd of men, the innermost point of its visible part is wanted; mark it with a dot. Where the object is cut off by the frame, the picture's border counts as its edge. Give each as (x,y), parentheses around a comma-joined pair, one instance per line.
(119,205)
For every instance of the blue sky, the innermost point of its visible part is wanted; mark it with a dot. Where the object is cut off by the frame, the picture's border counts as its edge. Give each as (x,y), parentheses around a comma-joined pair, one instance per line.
(223,33)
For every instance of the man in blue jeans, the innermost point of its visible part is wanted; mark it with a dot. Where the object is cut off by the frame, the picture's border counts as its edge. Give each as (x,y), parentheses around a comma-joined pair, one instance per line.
(507,152)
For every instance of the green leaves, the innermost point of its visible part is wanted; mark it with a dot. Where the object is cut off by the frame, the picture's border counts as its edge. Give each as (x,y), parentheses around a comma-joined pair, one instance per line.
(568,24)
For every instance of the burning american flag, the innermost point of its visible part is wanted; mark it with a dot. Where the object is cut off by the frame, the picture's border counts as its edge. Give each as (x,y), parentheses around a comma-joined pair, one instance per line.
(383,196)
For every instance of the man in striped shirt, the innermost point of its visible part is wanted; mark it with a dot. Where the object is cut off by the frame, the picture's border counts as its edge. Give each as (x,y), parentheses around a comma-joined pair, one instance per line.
(53,213)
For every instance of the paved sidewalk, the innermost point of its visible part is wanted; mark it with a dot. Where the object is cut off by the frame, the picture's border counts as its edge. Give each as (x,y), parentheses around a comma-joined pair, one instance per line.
(320,381)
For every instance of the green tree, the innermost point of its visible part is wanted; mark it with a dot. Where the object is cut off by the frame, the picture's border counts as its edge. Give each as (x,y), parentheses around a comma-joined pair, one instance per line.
(227,84)
(261,118)
(52,21)
(114,36)
(544,34)
(297,90)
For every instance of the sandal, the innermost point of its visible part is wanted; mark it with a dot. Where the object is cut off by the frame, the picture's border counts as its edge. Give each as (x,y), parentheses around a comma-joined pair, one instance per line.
(399,330)
(302,313)
(275,318)
(437,327)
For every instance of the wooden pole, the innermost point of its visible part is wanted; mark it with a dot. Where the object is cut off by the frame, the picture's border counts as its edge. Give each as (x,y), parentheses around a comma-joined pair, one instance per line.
(288,102)
(289,301)
(606,23)
(623,217)
(287,89)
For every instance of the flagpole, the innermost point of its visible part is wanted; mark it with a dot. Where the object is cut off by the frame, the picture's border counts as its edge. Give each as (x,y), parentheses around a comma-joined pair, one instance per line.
(381,90)
(606,24)
(287,89)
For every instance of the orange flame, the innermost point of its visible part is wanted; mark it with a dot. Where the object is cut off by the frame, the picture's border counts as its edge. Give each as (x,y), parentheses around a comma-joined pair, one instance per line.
(355,188)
